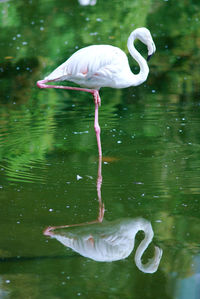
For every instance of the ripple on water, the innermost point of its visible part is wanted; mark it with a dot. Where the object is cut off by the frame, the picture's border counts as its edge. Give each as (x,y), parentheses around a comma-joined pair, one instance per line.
(19,171)
(25,140)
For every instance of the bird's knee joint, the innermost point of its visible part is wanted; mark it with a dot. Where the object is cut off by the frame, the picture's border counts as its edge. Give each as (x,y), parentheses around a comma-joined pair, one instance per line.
(97,129)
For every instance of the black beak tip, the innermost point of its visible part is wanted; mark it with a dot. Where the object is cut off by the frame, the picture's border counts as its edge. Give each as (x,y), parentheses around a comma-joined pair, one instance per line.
(149,56)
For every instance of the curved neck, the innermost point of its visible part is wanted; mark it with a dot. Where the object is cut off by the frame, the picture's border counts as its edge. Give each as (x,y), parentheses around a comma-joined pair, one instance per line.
(152,265)
(144,69)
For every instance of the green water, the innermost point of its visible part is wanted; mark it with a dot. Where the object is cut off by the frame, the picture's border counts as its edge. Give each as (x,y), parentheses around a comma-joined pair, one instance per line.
(49,159)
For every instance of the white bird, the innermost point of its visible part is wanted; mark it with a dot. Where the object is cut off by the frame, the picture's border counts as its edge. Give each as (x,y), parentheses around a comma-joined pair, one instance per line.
(99,66)
(109,241)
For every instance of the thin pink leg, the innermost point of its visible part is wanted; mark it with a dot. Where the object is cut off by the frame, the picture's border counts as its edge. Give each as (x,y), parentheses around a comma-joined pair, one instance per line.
(49,231)
(99,183)
(41,84)
(97,101)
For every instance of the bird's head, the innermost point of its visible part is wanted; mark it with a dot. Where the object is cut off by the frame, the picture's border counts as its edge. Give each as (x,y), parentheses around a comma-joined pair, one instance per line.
(144,35)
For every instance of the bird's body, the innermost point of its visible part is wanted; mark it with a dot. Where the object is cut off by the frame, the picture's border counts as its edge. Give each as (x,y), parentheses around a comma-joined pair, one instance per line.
(94,67)
(109,241)
(99,66)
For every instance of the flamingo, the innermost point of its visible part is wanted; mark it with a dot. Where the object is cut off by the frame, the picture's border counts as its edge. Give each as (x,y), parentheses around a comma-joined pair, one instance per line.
(106,241)
(109,241)
(99,66)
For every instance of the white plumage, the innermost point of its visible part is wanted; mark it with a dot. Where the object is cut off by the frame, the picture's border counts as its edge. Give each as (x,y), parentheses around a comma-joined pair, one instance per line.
(109,241)
(99,66)
(94,67)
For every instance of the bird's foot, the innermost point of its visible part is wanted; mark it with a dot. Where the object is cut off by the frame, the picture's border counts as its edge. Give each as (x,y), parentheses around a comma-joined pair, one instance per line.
(41,83)
(47,231)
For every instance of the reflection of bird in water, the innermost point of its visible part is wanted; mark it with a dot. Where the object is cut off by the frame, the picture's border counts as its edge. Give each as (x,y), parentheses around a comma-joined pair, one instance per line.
(103,66)
(108,241)
(87,2)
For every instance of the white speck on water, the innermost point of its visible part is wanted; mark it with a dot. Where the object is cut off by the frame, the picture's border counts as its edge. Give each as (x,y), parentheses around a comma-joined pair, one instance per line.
(93,33)
(78,177)
(85,132)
